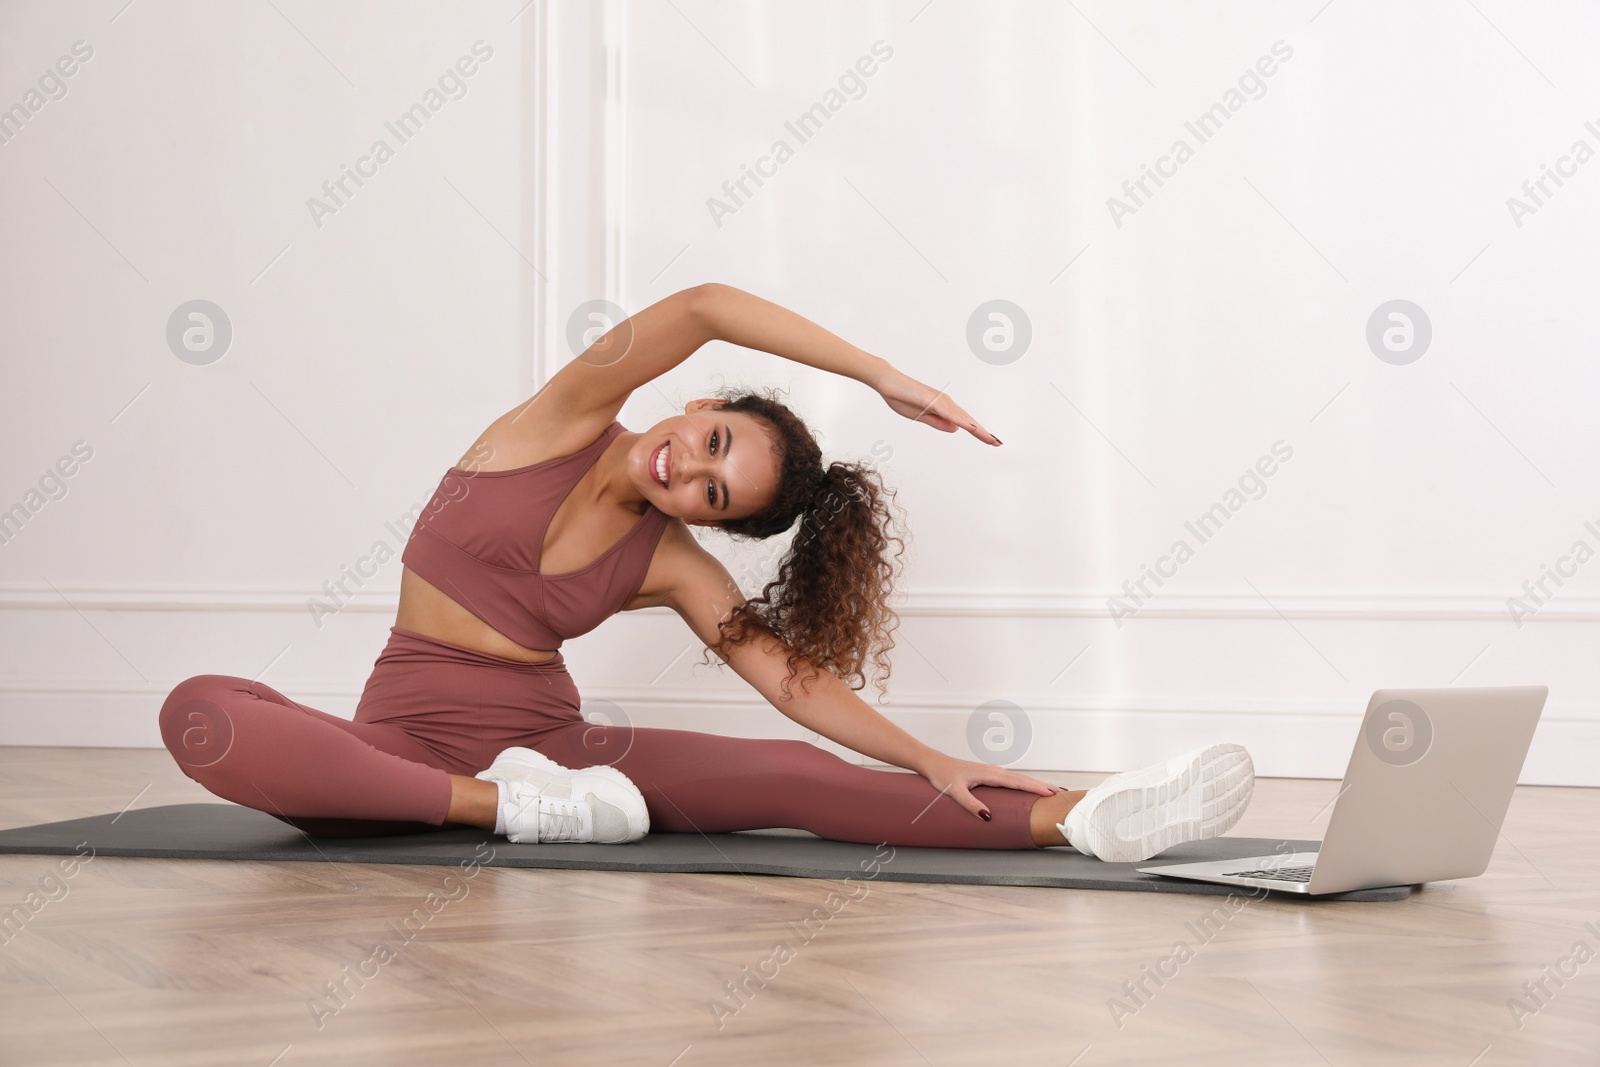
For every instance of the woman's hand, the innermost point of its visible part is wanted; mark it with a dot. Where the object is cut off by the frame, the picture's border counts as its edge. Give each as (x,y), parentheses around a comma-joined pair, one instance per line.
(956,777)
(923,403)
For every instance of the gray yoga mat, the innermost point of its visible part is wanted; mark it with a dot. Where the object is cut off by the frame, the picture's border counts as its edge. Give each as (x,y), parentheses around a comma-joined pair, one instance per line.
(234,832)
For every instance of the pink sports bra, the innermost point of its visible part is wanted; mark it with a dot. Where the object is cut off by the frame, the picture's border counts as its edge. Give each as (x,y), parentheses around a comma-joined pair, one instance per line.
(479,540)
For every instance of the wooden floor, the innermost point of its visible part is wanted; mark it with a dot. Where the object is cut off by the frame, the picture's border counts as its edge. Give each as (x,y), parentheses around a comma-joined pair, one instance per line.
(145,962)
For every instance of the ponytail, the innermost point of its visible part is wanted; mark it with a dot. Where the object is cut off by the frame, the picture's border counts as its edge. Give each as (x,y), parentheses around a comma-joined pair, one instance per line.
(828,601)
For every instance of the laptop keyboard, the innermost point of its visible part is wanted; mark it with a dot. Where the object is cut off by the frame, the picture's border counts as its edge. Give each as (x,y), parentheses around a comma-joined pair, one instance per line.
(1282,874)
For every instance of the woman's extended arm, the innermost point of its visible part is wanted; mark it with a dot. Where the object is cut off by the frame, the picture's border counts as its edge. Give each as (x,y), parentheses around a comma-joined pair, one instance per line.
(647,345)
(743,319)
(703,592)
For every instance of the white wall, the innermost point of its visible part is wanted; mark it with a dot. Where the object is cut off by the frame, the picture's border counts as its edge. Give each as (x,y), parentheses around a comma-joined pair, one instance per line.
(1228,312)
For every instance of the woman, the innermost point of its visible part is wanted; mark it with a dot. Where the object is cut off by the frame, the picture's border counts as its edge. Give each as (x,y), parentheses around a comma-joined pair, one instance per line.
(558,517)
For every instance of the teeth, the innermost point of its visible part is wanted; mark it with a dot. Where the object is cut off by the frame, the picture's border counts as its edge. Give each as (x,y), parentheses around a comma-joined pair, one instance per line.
(661,465)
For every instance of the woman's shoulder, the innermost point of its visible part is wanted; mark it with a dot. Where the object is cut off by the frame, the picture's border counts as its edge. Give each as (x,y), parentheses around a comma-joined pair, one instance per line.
(679,568)
(677,547)
(521,438)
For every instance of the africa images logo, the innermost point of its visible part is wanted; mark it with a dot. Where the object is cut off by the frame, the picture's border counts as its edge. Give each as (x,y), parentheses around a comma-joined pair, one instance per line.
(1399,732)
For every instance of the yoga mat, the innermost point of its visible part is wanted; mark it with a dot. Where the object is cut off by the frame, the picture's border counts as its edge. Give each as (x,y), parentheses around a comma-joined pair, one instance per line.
(235,832)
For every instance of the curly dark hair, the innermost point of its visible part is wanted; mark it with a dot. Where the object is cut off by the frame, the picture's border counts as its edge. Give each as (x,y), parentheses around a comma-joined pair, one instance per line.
(829,599)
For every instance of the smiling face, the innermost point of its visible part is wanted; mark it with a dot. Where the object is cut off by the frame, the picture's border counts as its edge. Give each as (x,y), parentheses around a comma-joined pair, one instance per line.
(706,466)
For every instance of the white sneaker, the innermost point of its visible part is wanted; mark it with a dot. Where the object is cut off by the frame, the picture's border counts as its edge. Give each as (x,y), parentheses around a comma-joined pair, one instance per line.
(1137,814)
(546,802)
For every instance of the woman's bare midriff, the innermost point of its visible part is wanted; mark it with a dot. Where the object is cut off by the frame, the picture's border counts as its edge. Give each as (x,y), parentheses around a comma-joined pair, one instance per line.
(424,609)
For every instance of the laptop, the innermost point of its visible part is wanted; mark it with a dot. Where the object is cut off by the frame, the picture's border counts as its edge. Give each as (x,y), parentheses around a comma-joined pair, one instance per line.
(1423,797)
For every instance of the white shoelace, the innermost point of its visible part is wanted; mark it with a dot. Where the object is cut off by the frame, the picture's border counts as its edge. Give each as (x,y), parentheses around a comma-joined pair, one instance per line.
(562,820)
(557,818)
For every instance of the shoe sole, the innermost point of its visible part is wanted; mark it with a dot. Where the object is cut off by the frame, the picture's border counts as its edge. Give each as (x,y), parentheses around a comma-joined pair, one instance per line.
(1197,795)
(528,759)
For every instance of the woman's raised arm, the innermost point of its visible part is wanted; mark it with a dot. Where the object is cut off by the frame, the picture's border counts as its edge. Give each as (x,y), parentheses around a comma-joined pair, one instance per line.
(738,317)
(647,345)
(742,318)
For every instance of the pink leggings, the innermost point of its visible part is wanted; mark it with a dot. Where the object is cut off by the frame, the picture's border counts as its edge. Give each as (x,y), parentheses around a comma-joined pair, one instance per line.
(431,709)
